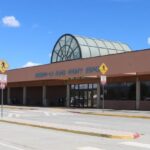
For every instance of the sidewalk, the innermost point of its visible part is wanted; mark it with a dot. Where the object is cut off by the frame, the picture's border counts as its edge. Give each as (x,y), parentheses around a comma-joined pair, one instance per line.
(113,113)
(99,112)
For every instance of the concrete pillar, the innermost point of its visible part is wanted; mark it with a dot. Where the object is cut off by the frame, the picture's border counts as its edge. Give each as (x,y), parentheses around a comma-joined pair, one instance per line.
(44,101)
(24,95)
(138,93)
(98,95)
(68,96)
(8,96)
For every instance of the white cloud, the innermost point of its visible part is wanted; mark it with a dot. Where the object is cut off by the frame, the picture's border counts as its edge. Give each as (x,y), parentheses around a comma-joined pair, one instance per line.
(148,40)
(30,64)
(10,21)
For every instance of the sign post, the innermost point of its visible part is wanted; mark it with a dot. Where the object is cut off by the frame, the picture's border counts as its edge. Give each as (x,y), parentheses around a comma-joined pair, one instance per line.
(103,82)
(103,78)
(3,82)
(2,104)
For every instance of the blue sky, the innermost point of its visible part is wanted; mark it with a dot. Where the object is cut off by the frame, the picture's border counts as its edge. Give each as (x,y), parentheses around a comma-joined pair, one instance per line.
(30,28)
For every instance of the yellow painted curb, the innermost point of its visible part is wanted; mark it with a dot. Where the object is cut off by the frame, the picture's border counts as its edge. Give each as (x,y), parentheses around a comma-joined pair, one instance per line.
(132,136)
(112,115)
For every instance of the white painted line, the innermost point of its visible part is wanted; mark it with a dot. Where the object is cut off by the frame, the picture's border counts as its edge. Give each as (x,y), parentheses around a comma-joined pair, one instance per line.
(88,148)
(136,144)
(20,112)
(46,113)
(36,111)
(87,123)
(58,113)
(10,115)
(17,115)
(54,114)
(11,146)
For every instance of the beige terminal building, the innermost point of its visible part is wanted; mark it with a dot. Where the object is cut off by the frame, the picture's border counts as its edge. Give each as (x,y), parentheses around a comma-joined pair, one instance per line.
(72,78)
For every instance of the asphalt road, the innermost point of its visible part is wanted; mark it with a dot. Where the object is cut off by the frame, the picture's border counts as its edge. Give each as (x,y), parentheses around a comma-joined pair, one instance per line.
(27,138)
(63,117)
(15,137)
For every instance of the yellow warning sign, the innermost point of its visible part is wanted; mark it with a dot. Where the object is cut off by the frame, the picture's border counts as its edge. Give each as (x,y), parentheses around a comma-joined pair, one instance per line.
(103,68)
(3,66)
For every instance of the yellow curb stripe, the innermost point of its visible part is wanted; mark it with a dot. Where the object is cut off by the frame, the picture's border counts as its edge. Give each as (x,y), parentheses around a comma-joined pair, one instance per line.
(71,131)
(112,115)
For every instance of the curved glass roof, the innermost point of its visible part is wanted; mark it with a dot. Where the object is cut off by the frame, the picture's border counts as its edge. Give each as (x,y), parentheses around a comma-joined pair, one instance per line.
(69,47)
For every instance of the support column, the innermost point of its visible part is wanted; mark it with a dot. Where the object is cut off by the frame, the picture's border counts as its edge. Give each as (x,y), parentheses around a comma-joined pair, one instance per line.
(24,95)
(8,96)
(44,96)
(138,93)
(68,96)
(98,95)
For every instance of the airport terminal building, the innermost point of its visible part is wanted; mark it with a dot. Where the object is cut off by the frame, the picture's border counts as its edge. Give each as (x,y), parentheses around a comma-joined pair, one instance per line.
(72,78)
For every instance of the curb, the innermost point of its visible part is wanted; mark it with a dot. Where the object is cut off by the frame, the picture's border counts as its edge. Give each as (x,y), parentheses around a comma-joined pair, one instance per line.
(112,115)
(105,135)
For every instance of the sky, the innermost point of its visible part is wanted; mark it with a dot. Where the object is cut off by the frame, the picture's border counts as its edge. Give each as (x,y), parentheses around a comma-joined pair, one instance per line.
(29,29)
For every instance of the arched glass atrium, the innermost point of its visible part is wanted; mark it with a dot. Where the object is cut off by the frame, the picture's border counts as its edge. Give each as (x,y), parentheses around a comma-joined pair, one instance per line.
(69,47)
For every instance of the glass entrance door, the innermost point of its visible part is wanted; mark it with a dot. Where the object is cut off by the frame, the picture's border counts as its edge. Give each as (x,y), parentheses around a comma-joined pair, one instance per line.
(83,95)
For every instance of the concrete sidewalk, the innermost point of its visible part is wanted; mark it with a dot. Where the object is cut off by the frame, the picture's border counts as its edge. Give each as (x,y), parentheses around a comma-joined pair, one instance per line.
(99,112)
(113,113)
(113,134)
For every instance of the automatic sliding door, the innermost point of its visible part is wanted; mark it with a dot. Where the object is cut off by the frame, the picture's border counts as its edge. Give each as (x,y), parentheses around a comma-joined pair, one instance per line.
(83,95)
(85,98)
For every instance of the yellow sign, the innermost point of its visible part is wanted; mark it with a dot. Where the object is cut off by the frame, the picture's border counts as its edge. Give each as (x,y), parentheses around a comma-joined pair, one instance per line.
(3,66)
(103,68)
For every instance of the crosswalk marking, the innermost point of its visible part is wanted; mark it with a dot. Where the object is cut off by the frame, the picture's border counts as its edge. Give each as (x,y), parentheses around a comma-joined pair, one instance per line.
(17,115)
(136,144)
(20,112)
(10,146)
(88,148)
(54,114)
(12,114)
(87,123)
(46,113)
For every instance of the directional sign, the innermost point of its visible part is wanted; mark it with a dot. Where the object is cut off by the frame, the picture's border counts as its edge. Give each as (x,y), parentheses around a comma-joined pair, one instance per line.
(3,66)
(103,68)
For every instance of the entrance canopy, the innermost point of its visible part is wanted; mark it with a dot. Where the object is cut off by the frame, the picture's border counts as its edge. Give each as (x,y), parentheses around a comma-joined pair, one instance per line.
(70,47)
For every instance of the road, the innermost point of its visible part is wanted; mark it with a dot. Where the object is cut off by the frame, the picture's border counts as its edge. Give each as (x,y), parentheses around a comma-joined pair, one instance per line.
(30,138)
(14,137)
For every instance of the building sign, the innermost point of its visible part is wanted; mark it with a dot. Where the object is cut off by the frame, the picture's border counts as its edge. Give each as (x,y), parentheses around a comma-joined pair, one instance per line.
(103,68)
(3,66)
(70,72)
